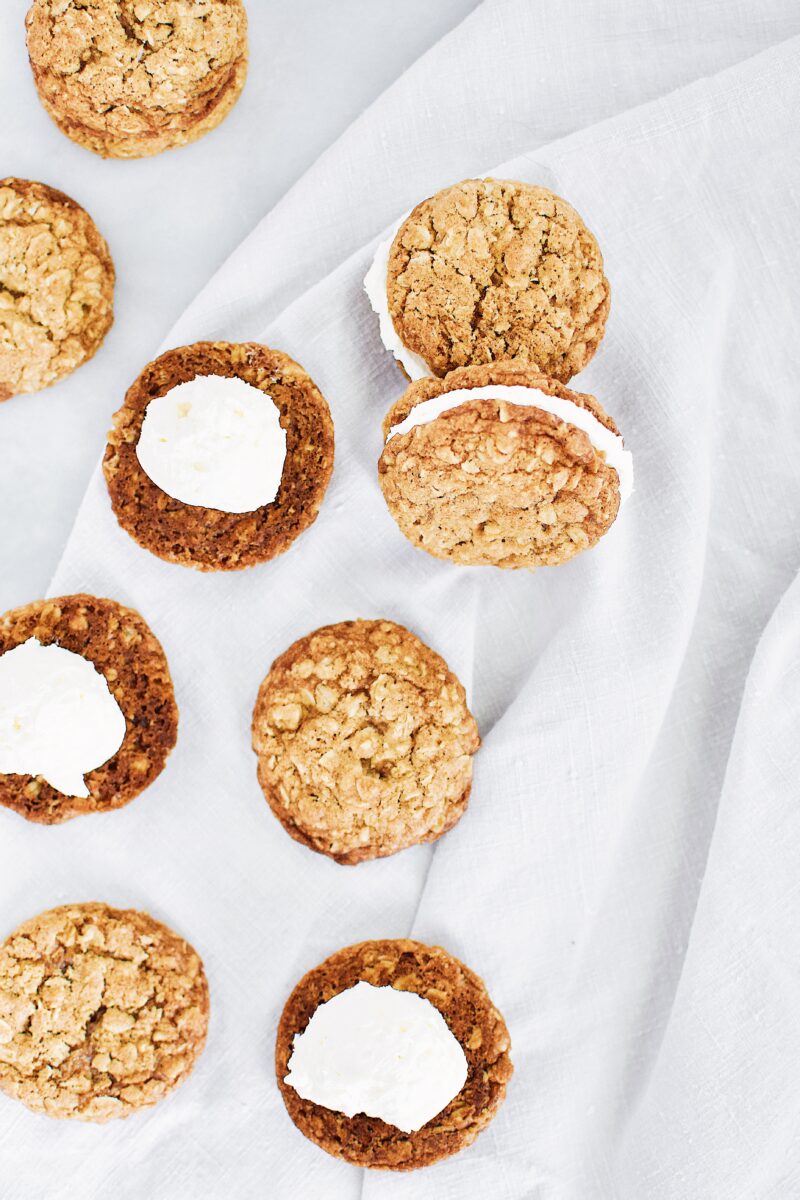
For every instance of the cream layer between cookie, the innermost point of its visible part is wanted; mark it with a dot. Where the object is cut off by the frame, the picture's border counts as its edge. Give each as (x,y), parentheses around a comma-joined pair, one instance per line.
(607,444)
(375,282)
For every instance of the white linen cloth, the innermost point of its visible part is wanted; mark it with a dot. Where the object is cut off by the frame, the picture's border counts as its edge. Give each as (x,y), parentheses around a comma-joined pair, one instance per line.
(625,877)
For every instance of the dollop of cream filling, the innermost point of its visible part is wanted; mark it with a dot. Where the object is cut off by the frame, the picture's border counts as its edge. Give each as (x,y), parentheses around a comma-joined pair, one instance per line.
(375,284)
(381,1052)
(607,444)
(57,717)
(214,442)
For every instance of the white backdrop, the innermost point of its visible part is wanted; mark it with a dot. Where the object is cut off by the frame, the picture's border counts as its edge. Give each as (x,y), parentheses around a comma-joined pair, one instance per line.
(625,878)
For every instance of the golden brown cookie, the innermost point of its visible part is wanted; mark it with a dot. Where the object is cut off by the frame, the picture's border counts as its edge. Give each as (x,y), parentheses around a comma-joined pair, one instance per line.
(495,483)
(124,649)
(364,741)
(460,996)
(494,269)
(102,1012)
(129,78)
(208,538)
(56,286)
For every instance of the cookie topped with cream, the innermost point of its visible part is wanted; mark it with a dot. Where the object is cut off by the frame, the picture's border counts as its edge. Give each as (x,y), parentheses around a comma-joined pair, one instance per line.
(87,709)
(488,270)
(501,466)
(220,456)
(390,1054)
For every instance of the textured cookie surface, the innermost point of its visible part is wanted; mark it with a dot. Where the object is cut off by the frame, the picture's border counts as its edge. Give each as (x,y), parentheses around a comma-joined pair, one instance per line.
(56,286)
(461,998)
(491,269)
(497,484)
(124,649)
(102,1012)
(208,538)
(364,741)
(128,78)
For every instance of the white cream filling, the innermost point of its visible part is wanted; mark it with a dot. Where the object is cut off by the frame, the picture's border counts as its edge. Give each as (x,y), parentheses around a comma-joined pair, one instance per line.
(375,285)
(215,442)
(609,445)
(378,1051)
(57,717)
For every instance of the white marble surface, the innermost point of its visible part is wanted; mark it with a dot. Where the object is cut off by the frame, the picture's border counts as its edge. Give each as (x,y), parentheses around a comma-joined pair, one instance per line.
(171,221)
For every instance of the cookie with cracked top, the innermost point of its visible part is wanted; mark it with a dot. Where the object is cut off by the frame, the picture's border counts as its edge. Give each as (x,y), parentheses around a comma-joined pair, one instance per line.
(102,1012)
(56,286)
(364,741)
(492,269)
(130,78)
(460,996)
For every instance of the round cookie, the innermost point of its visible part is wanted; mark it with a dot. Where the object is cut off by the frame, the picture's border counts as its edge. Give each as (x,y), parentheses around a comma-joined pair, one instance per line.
(364,741)
(493,483)
(127,80)
(56,286)
(102,1012)
(460,996)
(208,538)
(492,269)
(123,648)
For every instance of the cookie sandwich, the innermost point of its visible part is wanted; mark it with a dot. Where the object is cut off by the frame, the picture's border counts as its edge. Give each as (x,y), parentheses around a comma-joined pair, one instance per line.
(102,1012)
(220,455)
(364,741)
(127,80)
(390,1054)
(56,286)
(490,269)
(87,709)
(502,466)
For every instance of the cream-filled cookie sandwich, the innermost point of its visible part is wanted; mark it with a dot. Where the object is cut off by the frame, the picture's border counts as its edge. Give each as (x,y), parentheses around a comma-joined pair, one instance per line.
(488,270)
(220,456)
(501,466)
(390,1054)
(87,709)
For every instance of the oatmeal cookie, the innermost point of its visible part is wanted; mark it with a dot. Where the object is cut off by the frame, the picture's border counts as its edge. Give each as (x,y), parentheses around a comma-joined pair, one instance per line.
(102,1012)
(123,648)
(460,996)
(495,482)
(208,538)
(129,78)
(364,741)
(56,286)
(495,269)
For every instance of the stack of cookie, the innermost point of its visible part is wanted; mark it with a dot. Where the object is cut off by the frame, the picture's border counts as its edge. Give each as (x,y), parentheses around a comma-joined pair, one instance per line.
(491,296)
(128,80)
